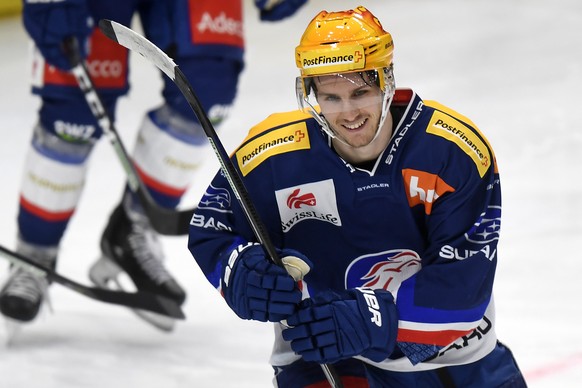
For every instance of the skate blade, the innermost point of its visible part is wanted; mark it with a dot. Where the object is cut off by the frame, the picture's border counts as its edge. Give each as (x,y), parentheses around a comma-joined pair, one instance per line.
(160,321)
(106,274)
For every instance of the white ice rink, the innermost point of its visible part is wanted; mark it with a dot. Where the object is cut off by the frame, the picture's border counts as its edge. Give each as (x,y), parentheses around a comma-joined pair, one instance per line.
(513,66)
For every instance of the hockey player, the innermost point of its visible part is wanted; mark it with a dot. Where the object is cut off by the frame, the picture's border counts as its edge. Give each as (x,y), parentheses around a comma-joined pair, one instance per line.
(211,55)
(386,205)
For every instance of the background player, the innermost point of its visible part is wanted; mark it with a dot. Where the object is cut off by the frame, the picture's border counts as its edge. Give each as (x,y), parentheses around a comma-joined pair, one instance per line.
(169,139)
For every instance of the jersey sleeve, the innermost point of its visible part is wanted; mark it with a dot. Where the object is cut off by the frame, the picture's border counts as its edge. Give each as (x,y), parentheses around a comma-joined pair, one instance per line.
(215,228)
(457,189)
(219,223)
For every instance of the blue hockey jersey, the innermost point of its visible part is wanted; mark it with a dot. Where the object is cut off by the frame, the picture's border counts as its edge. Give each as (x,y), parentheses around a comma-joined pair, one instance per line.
(421,222)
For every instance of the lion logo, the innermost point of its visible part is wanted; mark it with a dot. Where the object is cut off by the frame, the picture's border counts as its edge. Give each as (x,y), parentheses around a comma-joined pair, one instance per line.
(385,270)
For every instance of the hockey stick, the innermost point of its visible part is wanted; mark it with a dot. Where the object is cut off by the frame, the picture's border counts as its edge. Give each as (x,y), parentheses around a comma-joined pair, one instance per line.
(164,221)
(137,43)
(136,300)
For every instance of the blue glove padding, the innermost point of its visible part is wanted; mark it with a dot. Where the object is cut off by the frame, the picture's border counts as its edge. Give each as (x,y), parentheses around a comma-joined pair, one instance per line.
(274,10)
(255,288)
(49,23)
(335,326)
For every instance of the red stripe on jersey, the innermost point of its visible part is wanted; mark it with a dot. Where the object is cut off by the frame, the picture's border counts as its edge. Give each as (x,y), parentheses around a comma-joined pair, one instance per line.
(440,338)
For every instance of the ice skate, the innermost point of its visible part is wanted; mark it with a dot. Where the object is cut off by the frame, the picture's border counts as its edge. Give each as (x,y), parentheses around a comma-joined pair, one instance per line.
(24,292)
(130,249)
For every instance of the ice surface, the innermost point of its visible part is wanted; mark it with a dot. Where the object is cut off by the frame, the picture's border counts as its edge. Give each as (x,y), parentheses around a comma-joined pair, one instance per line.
(514,67)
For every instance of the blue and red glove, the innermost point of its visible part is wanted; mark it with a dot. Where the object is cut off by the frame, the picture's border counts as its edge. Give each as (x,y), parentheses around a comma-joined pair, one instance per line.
(334,326)
(49,23)
(274,10)
(255,288)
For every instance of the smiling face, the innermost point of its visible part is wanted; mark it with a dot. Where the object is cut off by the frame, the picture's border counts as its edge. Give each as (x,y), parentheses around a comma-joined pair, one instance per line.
(352,106)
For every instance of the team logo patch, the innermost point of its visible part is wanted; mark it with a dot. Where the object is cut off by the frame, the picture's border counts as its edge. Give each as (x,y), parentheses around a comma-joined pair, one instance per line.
(424,188)
(486,229)
(296,200)
(311,201)
(290,138)
(453,130)
(216,198)
(384,270)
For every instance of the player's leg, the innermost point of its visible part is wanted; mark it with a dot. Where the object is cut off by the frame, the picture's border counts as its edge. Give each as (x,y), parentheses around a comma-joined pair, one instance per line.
(310,374)
(57,158)
(497,369)
(171,145)
(51,187)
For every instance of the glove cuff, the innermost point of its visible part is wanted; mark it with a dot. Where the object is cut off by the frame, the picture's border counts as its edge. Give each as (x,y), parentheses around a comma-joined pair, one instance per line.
(382,326)
(230,264)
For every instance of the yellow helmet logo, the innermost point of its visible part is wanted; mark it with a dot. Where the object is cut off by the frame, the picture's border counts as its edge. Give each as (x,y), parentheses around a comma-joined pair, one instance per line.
(333,60)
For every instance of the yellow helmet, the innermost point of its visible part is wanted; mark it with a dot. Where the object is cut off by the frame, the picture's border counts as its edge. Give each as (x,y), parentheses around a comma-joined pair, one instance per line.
(336,42)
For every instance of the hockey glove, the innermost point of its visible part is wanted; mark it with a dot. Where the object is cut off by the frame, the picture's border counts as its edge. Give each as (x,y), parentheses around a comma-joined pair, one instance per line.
(49,23)
(335,326)
(274,10)
(256,288)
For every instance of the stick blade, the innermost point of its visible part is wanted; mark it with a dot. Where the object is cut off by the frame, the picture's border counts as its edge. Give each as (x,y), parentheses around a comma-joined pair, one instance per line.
(169,223)
(136,42)
(142,300)
(137,300)
(166,307)
(107,29)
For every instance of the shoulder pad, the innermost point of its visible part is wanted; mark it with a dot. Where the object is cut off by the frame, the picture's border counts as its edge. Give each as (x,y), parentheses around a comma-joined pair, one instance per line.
(276,120)
(458,129)
(277,134)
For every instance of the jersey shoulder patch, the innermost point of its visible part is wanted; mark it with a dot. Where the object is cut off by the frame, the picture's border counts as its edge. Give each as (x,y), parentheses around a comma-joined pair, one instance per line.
(458,129)
(277,134)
